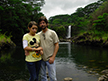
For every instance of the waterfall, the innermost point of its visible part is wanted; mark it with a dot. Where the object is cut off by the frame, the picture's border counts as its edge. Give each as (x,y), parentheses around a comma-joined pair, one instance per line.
(69,32)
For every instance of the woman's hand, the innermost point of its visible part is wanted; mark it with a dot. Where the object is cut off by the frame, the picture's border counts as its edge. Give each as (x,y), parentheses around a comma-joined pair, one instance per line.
(26,53)
(39,49)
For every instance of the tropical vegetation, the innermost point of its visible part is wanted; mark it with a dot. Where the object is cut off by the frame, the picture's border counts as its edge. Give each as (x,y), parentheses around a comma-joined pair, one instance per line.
(15,15)
(90,22)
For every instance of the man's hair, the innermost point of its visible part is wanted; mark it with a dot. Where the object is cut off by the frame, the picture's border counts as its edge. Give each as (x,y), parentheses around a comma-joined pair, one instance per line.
(42,18)
(31,23)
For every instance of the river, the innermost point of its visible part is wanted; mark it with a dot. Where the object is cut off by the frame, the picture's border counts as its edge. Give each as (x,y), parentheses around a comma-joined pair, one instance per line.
(81,63)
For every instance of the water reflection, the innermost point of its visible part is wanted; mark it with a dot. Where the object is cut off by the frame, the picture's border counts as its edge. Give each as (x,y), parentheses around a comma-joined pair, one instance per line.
(68,47)
(12,65)
(82,63)
(84,55)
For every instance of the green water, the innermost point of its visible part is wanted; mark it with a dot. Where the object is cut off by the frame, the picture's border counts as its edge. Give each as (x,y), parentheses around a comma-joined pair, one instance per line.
(82,63)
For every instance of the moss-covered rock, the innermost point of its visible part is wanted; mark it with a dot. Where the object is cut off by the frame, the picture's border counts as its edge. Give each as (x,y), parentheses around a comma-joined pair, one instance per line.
(6,42)
(7,45)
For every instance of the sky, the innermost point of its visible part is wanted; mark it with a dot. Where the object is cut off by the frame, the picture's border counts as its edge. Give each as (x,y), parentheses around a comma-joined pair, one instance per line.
(60,7)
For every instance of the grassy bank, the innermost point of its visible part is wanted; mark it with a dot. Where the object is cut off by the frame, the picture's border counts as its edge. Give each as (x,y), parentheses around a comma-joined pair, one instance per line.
(6,42)
(93,38)
(96,35)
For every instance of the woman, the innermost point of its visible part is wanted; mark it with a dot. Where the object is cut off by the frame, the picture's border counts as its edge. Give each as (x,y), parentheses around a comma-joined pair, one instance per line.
(33,53)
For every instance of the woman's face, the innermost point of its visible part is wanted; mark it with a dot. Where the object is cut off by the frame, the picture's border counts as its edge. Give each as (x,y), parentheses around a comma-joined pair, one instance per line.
(33,29)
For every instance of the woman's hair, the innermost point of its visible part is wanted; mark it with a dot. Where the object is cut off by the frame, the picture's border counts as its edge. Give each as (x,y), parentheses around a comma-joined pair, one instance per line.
(42,18)
(31,23)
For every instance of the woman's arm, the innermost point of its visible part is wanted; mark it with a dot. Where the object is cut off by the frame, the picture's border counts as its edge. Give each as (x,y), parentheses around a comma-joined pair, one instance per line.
(26,48)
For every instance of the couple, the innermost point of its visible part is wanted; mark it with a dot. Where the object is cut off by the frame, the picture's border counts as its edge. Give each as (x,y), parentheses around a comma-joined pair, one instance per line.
(40,50)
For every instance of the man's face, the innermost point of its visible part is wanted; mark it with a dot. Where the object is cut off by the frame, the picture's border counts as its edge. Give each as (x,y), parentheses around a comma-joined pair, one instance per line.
(43,25)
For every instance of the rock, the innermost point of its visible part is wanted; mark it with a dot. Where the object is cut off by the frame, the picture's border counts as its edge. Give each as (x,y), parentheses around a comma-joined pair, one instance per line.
(101,79)
(104,71)
(7,45)
(65,40)
(104,77)
(67,79)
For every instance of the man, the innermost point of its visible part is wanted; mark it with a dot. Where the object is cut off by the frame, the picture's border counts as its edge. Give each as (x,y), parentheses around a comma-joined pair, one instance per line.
(49,43)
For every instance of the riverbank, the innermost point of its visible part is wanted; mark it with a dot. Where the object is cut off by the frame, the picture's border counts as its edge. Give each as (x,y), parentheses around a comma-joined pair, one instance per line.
(94,41)
(6,42)
(88,39)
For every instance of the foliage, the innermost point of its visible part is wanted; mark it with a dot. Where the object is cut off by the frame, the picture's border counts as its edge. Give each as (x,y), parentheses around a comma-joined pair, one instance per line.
(92,7)
(16,14)
(80,18)
(4,38)
(101,24)
(61,31)
(59,19)
(99,11)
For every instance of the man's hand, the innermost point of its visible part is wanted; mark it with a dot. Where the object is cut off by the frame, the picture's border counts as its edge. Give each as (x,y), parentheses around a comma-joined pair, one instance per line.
(51,60)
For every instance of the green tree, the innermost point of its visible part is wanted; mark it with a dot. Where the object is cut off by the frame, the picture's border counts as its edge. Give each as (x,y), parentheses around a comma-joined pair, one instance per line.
(61,31)
(101,24)
(102,9)
(57,21)
(15,16)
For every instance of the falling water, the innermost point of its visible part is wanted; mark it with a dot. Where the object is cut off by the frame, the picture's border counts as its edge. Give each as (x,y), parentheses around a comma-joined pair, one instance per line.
(69,32)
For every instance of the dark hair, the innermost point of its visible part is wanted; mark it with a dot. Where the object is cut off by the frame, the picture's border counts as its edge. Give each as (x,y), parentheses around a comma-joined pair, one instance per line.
(31,23)
(42,18)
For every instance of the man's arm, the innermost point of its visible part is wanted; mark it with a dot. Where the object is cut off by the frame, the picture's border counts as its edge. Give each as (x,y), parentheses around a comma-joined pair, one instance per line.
(51,60)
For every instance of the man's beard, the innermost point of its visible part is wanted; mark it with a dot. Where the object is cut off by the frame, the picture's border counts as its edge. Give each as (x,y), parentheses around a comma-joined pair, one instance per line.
(43,27)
